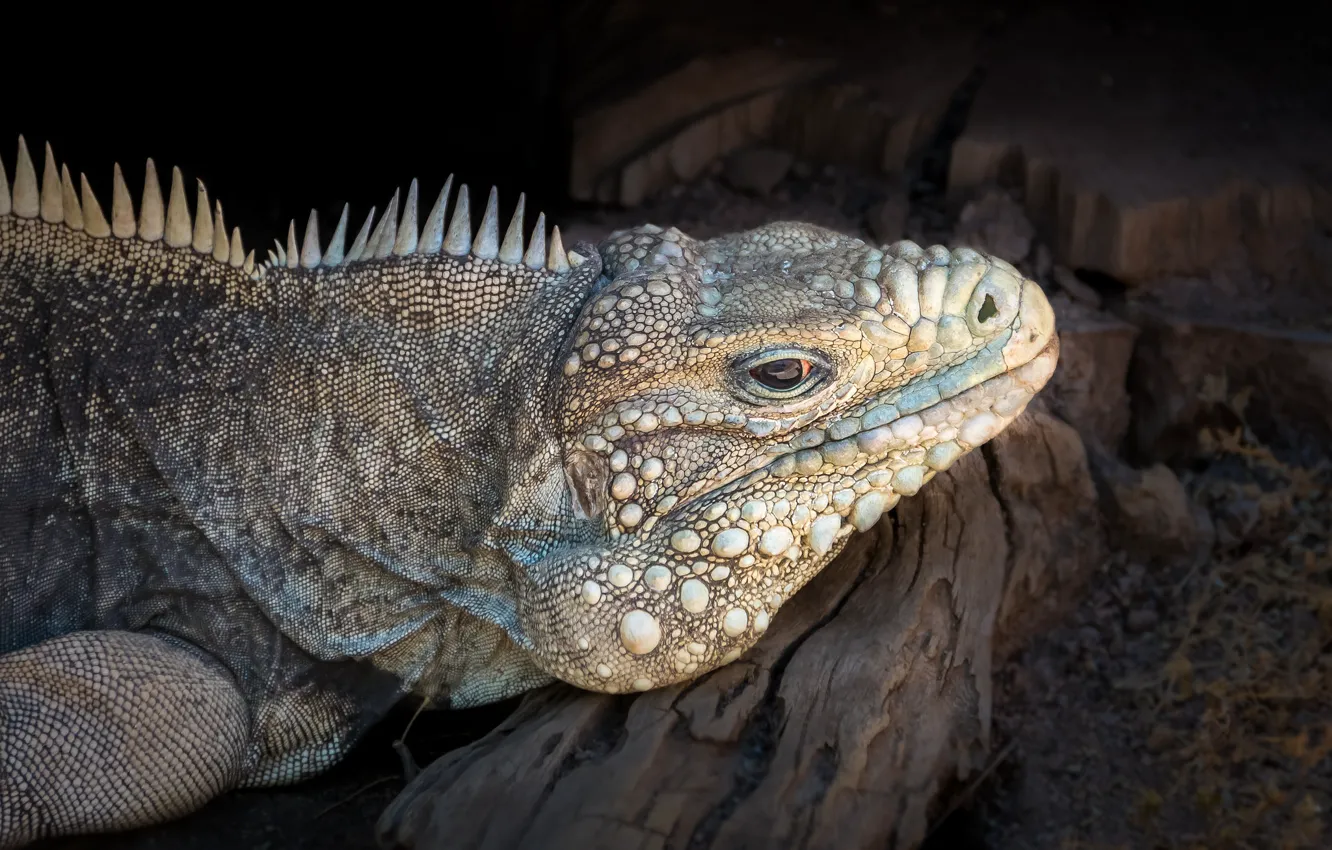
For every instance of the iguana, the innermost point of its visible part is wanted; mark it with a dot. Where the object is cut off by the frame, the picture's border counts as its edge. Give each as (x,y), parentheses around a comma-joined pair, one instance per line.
(245,508)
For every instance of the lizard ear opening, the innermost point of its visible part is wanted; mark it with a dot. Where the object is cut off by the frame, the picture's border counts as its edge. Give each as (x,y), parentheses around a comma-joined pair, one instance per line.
(587,475)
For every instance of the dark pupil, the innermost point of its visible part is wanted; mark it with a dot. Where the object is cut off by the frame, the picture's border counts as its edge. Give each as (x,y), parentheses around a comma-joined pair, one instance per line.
(779,374)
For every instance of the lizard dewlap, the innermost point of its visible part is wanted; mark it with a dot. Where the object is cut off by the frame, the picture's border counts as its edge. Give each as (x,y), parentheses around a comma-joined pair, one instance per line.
(248,506)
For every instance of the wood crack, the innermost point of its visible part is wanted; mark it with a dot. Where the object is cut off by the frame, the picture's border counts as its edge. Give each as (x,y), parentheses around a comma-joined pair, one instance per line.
(844,727)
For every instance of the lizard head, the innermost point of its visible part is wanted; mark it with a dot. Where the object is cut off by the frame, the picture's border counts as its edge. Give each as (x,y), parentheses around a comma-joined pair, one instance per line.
(734,409)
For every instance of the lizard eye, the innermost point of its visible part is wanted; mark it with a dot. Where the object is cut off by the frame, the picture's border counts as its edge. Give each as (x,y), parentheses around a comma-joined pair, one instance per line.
(782,374)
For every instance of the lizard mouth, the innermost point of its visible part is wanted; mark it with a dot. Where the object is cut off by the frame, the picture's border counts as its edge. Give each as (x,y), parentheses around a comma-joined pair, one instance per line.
(901,436)
(695,568)
(694,591)
(887,444)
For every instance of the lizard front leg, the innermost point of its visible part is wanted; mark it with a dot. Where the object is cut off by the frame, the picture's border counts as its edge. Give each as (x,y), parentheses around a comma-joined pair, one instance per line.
(105,730)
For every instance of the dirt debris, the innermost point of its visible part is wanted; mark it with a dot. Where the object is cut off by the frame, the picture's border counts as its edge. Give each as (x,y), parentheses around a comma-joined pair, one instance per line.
(996,224)
(757,170)
(1186,706)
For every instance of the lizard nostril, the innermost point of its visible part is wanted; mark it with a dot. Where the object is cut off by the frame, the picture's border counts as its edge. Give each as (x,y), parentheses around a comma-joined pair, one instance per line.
(987,311)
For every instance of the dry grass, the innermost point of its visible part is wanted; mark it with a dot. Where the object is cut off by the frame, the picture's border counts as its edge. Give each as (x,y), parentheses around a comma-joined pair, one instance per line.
(1241,710)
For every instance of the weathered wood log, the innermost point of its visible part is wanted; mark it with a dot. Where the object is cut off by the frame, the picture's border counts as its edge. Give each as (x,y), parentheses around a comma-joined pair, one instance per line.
(845,726)
(851,85)
(679,124)
(1142,166)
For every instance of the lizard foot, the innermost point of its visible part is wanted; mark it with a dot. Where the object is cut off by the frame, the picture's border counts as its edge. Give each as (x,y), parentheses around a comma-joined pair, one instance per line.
(103,731)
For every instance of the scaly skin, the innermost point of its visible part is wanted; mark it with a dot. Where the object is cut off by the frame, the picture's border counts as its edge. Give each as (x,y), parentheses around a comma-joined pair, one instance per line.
(723,503)
(431,463)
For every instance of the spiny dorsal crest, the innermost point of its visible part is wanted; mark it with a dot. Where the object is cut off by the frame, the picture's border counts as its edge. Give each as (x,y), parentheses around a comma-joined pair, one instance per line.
(401,238)
(56,201)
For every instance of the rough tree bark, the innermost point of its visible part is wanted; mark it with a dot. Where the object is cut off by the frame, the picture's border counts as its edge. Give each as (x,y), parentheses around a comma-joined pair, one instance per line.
(847,726)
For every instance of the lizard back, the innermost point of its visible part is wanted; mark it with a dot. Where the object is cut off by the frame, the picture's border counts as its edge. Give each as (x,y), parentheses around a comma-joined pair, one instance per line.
(292,466)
